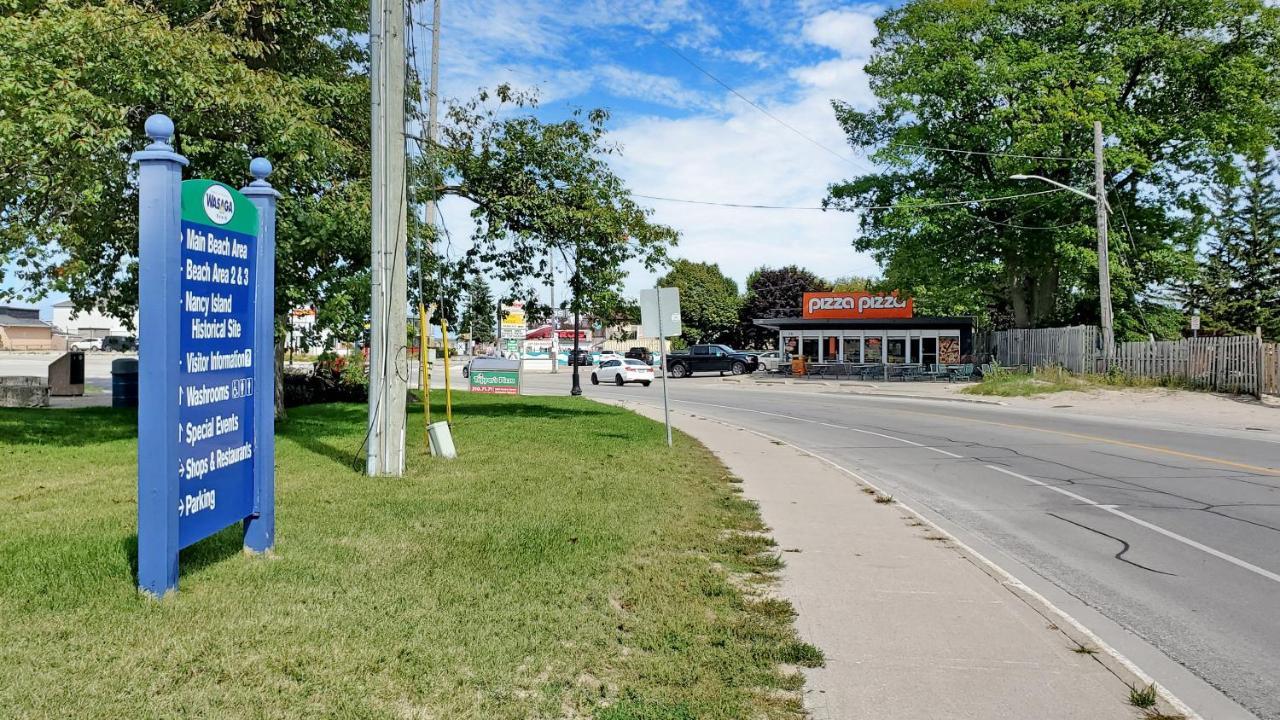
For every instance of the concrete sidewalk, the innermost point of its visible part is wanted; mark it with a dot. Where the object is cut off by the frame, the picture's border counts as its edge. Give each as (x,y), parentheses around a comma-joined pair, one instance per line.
(912,624)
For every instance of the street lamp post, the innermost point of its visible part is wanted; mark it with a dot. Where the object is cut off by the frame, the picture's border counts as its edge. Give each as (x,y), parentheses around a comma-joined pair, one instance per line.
(1104,264)
(577,322)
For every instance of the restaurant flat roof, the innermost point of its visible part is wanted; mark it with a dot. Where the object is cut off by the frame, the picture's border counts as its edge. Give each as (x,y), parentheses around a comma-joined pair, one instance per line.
(798,323)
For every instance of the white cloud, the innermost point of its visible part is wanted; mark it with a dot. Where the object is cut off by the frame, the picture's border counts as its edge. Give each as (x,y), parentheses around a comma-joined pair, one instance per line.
(621,82)
(730,152)
(847,31)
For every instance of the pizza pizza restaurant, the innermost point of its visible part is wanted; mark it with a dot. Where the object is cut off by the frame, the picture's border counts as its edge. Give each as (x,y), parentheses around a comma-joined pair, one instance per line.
(870,329)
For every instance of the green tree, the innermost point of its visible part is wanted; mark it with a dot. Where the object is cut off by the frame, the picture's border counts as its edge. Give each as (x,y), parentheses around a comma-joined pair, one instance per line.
(275,78)
(542,189)
(855,283)
(1240,286)
(971,93)
(771,293)
(709,301)
(480,314)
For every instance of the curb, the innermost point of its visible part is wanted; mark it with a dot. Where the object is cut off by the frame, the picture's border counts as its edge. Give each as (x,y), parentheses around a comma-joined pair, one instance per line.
(869,393)
(1117,664)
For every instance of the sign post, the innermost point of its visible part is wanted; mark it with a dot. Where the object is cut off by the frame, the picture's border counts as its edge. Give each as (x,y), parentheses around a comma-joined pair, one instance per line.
(660,315)
(206,406)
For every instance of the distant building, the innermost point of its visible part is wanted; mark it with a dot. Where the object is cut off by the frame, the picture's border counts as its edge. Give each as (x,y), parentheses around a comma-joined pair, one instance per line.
(88,323)
(22,329)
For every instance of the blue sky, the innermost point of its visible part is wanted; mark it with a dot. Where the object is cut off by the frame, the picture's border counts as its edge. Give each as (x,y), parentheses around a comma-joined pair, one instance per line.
(682,134)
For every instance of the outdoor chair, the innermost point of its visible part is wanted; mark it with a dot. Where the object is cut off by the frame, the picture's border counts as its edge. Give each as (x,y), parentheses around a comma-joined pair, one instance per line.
(912,373)
(964,372)
(935,372)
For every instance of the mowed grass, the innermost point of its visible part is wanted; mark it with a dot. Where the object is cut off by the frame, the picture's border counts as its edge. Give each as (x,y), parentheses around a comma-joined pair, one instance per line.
(566,565)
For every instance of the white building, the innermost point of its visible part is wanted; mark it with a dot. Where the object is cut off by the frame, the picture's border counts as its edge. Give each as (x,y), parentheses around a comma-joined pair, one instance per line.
(88,323)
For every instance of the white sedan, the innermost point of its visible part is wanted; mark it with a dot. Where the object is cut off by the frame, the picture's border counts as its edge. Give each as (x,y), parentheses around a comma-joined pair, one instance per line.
(621,372)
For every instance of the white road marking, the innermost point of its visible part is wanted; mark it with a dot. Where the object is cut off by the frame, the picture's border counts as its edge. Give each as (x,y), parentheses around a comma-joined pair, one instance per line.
(1150,526)
(816,422)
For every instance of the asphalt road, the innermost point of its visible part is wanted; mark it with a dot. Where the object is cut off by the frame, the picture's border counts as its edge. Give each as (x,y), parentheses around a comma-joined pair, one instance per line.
(1163,540)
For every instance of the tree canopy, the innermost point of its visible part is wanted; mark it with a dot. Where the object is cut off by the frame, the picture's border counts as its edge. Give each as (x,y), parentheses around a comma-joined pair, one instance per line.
(1239,288)
(270,77)
(774,292)
(968,94)
(708,301)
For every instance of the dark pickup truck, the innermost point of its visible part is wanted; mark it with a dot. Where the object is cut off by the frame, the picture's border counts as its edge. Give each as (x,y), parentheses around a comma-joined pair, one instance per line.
(710,358)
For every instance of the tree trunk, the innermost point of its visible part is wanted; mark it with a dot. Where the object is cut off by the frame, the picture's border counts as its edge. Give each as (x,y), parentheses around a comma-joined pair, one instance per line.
(279,363)
(1018,302)
(1044,296)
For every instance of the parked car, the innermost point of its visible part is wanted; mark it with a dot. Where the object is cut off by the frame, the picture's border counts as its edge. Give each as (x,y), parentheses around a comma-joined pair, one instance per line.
(87,344)
(120,343)
(710,358)
(772,359)
(641,353)
(621,372)
(608,355)
(579,357)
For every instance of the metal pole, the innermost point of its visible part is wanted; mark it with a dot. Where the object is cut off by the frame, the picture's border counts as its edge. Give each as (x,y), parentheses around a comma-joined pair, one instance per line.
(1104,263)
(388,364)
(555,319)
(448,390)
(576,389)
(662,349)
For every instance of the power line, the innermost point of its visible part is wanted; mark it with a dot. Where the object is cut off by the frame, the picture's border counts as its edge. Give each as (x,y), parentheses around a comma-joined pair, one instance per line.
(947,203)
(989,153)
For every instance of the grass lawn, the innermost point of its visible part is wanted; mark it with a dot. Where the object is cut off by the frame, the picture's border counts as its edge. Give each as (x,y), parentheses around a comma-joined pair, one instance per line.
(567,565)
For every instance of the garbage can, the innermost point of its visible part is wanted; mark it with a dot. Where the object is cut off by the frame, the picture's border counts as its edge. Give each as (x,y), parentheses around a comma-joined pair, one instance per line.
(124,383)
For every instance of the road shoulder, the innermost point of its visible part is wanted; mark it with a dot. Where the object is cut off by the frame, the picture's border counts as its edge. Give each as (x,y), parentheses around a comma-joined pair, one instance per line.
(913,623)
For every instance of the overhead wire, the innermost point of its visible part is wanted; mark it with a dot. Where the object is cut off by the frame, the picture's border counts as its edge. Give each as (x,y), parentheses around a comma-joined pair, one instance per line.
(898,206)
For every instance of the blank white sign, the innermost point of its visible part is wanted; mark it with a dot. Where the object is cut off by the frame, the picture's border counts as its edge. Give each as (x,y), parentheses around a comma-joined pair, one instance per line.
(666,323)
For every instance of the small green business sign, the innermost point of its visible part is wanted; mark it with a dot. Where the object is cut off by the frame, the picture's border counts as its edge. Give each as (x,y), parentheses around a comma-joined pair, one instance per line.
(495,382)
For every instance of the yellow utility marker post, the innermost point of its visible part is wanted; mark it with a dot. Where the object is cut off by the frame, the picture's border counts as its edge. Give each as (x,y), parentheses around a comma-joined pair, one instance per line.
(448,391)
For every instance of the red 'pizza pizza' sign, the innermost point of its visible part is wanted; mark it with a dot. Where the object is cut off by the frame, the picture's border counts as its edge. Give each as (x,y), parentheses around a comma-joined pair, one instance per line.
(855,306)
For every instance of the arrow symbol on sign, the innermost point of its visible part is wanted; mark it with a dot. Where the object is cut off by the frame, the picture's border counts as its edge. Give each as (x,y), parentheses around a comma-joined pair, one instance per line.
(179,397)
(181,470)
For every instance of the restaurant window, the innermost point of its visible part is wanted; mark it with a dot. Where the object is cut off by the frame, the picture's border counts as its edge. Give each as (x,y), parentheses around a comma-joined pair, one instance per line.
(928,351)
(809,348)
(830,348)
(896,350)
(852,350)
(790,343)
(872,352)
(915,349)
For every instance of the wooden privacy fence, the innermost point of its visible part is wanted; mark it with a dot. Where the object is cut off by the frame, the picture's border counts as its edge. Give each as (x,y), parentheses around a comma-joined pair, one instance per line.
(1230,364)
(1241,364)
(1074,348)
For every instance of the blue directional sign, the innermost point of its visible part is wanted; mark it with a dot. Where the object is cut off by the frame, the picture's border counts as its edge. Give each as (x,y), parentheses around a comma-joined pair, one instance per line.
(216,359)
(206,443)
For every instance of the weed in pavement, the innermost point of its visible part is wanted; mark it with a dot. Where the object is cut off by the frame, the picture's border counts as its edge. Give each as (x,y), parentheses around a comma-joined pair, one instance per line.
(1142,697)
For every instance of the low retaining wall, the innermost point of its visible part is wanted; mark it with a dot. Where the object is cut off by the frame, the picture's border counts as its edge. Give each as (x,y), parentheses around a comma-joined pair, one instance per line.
(24,392)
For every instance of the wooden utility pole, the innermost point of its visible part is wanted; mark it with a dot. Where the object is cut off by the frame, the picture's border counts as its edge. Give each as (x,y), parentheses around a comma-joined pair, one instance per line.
(1104,263)
(388,361)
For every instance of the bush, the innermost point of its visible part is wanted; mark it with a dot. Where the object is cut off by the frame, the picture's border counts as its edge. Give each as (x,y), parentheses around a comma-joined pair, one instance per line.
(333,378)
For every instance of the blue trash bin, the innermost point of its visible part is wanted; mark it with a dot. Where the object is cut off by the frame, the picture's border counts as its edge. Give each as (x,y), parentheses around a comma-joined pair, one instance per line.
(124,383)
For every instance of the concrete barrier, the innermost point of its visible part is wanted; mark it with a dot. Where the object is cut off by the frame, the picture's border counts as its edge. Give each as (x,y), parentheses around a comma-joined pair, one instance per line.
(24,391)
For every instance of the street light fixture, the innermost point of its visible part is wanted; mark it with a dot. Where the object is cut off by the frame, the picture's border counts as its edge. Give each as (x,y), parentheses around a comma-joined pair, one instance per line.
(1104,264)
